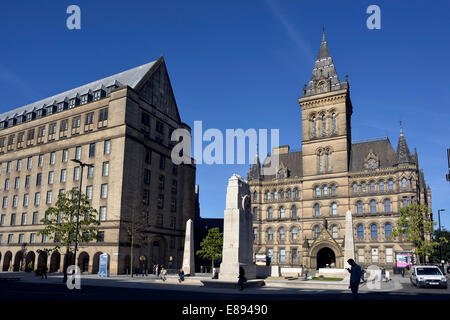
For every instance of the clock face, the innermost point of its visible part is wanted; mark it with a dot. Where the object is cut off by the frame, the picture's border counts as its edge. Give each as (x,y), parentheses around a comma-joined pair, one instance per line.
(246,203)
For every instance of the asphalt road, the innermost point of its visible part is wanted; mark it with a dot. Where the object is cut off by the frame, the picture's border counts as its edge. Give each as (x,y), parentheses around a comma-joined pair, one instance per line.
(17,290)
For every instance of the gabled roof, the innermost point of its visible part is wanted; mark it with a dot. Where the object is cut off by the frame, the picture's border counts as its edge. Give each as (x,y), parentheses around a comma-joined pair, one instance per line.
(293,162)
(382,148)
(131,78)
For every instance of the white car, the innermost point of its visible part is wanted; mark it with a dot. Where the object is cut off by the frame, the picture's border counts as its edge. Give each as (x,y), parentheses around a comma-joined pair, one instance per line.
(427,276)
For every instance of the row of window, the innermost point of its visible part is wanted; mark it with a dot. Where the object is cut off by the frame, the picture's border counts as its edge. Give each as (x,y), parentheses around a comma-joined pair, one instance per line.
(374,231)
(35,218)
(50,109)
(322,131)
(373,206)
(44,238)
(278,195)
(52,128)
(49,198)
(325,191)
(51,176)
(282,212)
(52,157)
(381,185)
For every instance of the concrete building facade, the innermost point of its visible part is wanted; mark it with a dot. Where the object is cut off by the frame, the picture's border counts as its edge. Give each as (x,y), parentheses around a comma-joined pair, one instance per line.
(122,125)
(299,213)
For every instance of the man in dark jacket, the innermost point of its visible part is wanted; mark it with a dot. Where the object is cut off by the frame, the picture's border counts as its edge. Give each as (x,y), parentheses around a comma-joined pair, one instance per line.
(355,277)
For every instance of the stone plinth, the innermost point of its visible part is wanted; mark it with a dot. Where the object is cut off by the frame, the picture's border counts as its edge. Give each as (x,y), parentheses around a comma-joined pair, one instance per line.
(188,257)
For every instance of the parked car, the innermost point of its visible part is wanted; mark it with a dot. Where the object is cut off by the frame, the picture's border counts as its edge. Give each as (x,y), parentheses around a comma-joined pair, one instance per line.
(427,276)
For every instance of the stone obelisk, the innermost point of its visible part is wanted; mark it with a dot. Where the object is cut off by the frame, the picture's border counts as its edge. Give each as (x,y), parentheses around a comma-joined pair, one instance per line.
(349,246)
(237,238)
(188,256)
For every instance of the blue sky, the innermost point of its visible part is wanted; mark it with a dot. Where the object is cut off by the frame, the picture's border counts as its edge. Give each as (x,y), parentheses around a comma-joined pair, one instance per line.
(234,63)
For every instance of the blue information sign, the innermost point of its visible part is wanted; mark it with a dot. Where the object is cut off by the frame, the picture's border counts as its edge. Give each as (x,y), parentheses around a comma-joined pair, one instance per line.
(104,265)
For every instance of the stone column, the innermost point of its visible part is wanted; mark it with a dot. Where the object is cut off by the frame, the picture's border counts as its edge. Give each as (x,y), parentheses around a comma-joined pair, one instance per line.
(188,257)
(349,247)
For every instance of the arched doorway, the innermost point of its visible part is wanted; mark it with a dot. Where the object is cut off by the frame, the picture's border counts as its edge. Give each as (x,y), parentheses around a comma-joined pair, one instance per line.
(83,261)
(55,261)
(7,261)
(18,260)
(29,261)
(42,260)
(325,256)
(96,262)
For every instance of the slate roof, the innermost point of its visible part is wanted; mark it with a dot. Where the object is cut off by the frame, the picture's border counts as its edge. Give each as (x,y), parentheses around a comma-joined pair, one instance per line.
(382,148)
(129,77)
(293,162)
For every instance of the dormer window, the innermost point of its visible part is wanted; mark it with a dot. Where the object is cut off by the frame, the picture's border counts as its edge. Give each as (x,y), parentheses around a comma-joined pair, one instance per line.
(49,110)
(109,89)
(39,113)
(61,106)
(10,122)
(29,116)
(2,125)
(19,120)
(85,98)
(99,94)
(72,103)
(372,164)
(282,175)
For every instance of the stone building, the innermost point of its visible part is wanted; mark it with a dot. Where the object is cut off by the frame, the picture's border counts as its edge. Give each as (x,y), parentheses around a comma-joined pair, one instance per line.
(122,125)
(299,213)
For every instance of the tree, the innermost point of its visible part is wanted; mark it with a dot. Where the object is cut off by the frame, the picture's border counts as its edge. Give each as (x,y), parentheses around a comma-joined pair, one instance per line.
(211,245)
(443,237)
(60,223)
(416,226)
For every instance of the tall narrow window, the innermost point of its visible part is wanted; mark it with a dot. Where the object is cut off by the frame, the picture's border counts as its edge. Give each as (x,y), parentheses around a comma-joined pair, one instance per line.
(329,160)
(333,123)
(360,231)
(324,126)
(294,211)
(387,205)
(359,207)
(270,213)
(373,206)
(316,231)
(282,234)
(321,161)
(314,132)
(282,212)
(334,209)
(387,230)
(316,210)
(374,231)
(334,232)
(269,234)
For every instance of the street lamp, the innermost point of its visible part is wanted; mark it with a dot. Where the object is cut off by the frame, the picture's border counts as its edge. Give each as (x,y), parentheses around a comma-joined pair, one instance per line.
(440,243)
(82,165)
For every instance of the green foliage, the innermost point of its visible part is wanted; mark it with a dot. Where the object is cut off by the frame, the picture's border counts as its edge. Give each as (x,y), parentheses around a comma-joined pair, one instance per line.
(60,221)
(415,226)
(211,246)
(442,237)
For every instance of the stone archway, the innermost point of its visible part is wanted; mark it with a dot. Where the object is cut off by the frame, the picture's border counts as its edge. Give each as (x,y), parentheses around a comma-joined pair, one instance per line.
(158,251)
(96,263)
(18,260)
(83,261)
(329,244)
(29,261)
(7,261)
(42,260)
(55,261)
(325,256)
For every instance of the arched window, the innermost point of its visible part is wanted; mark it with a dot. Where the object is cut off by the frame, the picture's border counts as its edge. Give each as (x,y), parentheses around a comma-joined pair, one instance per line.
(404,183)
(282,233)
(329,160)
(391,185)
(381,185)
(359,207)
(289,194)
(373,206)
(363,187)
(333,190)
(333,123)
(294,211)
(325,190)
(314,130)
(281,174)
(374,231)
(387,230)
(296,193)
(355,187)
(267,195)
(255,234)
(387,205)
(320,161)
(316,231)
(334,232)
(334,209)
(294,233)
(360,231)
(317,191)
(316,210)
(269,213)
(282,194)
(269,234)
(275,195)
(255,196)
(324,126)
(281,212)
(255,213)
(372,186)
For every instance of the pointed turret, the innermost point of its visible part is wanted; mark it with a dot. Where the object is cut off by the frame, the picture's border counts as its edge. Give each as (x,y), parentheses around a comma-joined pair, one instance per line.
(403,155)
(255,170)
(324,77)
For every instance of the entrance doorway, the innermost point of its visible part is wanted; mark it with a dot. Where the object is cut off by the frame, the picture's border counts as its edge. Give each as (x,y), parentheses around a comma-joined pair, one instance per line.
(325,256)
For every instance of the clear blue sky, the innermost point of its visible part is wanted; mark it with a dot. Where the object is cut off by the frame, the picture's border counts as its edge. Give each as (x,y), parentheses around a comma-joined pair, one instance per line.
(234,63)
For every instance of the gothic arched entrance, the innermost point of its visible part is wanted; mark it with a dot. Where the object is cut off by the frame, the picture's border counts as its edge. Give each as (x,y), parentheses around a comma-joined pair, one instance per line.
(325,256)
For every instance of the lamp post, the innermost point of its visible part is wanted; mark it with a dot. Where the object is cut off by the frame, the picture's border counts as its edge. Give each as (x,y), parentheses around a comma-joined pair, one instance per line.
(440,244)
(82,165)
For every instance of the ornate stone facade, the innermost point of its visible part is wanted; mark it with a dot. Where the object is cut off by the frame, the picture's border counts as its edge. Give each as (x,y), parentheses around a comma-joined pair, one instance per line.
(299,213)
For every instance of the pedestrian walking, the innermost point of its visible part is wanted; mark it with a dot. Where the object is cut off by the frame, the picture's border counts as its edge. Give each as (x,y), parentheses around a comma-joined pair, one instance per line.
(180,275)
(44,272)
(403,272)
(363,275)
(355,277)
(242,278)
(163,274)
(383,274)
